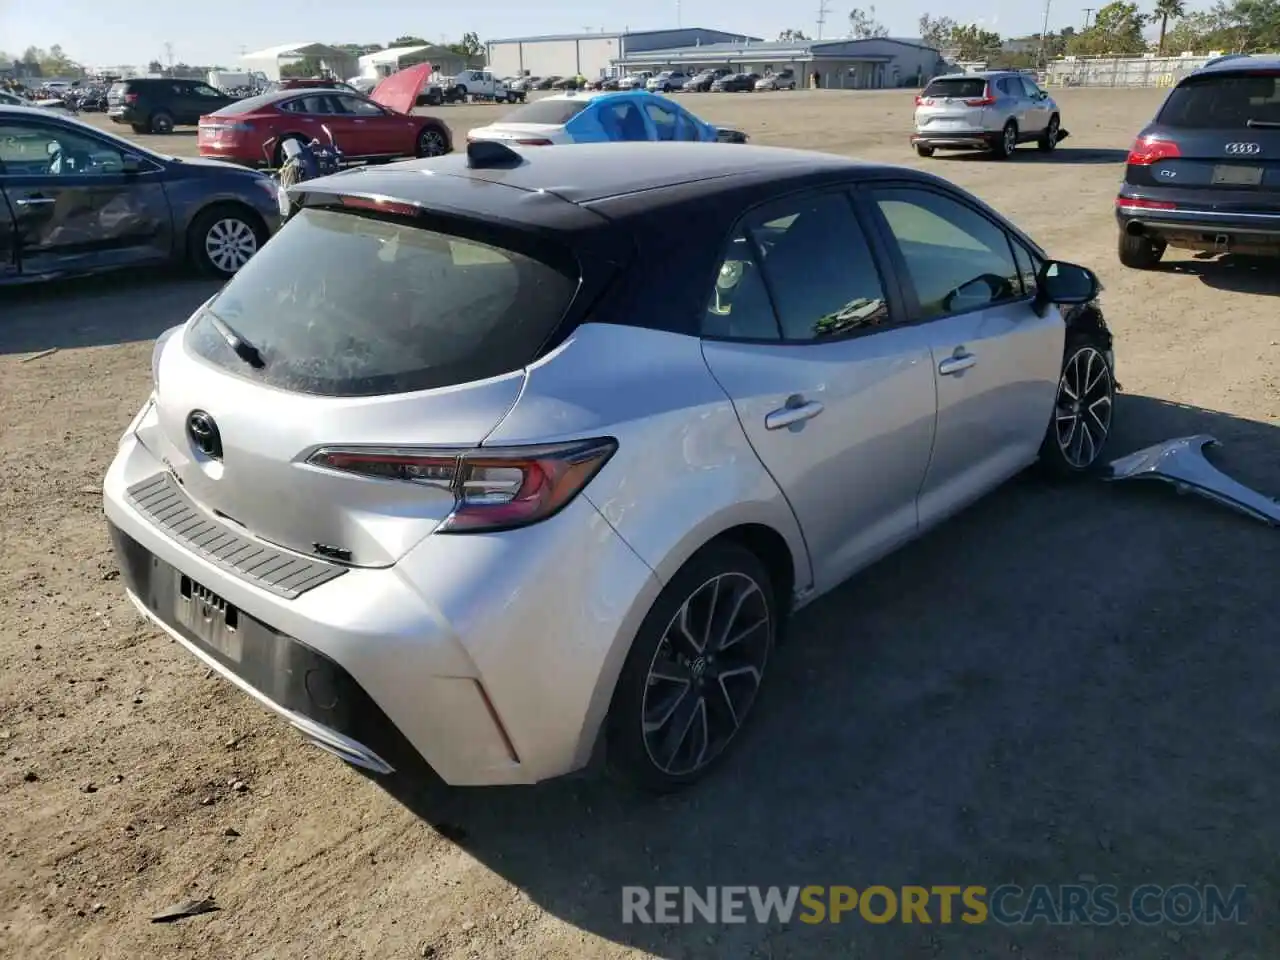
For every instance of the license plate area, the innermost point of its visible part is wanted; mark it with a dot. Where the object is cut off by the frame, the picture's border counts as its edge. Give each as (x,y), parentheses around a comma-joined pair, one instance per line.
(1236,176)
(209,618)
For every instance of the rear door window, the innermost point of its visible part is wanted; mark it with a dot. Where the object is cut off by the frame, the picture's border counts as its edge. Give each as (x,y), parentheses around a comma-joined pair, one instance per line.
(962,88)
(1223,102)
(345,305)
(550,111)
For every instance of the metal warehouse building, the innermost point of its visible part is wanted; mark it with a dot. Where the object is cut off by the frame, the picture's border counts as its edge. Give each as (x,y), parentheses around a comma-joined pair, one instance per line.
(841,64)
(592,54)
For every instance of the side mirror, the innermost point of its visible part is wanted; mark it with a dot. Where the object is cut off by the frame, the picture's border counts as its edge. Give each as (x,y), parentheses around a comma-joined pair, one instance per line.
(1065,283)
(130,163)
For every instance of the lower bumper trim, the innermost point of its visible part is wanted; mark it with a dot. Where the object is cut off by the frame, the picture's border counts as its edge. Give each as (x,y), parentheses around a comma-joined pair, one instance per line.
(311,692)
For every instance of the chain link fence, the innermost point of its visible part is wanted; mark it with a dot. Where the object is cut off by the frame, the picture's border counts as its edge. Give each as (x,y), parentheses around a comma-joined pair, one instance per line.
(1121,71)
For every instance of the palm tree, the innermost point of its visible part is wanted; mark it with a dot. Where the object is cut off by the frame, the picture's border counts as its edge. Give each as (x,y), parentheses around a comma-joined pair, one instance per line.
(1168,10)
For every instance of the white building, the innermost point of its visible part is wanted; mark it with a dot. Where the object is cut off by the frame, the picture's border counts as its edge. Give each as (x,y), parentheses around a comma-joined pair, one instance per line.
(383,63)
(590,54)
(269,61)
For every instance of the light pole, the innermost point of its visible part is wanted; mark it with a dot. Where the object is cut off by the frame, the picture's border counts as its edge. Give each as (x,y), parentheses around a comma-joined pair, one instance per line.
(1044,29)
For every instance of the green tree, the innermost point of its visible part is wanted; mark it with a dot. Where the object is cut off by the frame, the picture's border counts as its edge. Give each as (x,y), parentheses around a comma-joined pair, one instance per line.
(1167,10)
(863,24)
(1117,30)
(792,36)
(974,43)
(936,31)
(408,40)
(469,47)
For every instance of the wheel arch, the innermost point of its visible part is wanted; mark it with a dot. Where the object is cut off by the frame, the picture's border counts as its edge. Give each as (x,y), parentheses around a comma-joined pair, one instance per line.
(763,539)
(1087,320)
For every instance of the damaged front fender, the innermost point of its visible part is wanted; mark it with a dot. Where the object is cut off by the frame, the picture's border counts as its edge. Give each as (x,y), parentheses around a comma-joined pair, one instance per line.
(1182,463)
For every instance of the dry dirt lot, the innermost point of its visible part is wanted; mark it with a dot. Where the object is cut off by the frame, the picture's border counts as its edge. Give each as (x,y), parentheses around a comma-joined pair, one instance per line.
(1061,684)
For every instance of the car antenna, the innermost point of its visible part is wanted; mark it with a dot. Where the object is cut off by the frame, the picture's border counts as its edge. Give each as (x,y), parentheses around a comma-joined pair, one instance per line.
(482,154)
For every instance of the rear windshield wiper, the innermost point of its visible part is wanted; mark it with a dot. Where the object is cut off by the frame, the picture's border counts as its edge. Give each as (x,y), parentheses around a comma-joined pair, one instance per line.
(241,347)
(1263,124)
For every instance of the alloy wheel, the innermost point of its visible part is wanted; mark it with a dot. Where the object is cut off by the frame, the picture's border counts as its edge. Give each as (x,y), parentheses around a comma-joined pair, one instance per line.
(705,673)
(1051,135)
(1010,139)
(431,144)
(1082,420)
(229,244)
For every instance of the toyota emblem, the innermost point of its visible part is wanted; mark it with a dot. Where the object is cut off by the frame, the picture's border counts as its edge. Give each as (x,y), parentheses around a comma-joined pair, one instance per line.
(204,435)
(1244,149)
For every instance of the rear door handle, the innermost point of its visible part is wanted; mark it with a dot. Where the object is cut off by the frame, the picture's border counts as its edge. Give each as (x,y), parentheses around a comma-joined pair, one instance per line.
(953,365)
(34,201)
(794,412)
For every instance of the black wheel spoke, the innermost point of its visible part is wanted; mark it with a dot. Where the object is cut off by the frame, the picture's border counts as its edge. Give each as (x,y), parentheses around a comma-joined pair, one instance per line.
(705,673)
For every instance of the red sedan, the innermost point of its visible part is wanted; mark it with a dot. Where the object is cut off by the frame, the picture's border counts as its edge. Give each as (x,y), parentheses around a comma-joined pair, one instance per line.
(364,128)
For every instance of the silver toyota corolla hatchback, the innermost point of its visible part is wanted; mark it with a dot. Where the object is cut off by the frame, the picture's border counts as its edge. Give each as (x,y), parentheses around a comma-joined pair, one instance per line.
(508,462)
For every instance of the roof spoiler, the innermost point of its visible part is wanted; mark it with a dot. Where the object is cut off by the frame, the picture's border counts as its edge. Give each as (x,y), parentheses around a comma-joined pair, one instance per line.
(486,154)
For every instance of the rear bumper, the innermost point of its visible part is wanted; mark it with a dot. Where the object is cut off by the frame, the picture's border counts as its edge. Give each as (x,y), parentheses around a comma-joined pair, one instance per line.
(1201,229)
(492,659)
(956,139)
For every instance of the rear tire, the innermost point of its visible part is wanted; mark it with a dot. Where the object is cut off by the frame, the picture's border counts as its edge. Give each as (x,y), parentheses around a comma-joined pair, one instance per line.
(138,128)
(923,150)
(161,124)
(1082,417)
(1003,148)
(223,238)
(684,695)
(1140,253)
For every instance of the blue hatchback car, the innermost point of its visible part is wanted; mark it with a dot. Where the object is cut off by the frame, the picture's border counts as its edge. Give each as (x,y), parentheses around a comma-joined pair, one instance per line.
(601,117)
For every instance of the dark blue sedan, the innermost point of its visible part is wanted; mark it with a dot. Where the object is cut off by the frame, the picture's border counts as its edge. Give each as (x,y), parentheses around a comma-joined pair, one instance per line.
(77,200)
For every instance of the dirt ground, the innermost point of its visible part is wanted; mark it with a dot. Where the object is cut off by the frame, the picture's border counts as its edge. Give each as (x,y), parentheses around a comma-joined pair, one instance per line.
(1062,684)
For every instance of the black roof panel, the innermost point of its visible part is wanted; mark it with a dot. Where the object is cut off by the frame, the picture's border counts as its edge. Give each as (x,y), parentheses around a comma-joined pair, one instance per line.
(582,173)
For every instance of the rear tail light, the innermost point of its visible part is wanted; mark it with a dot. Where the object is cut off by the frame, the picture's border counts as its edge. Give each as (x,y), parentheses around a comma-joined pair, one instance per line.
(130,98)
(497,488)
(920,101)
(986,100)
(1149,150)
(1145,204)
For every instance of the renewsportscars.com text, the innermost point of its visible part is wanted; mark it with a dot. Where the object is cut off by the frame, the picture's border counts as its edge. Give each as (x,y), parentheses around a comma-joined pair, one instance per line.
(1065,904)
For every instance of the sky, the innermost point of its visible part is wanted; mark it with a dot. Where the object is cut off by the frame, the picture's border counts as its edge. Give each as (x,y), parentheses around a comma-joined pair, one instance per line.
(102,34)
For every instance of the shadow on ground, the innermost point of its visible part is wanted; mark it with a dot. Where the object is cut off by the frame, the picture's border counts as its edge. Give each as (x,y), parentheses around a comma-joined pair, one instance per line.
(98,311)
(1064,684)
(1232,272)
(1062,156)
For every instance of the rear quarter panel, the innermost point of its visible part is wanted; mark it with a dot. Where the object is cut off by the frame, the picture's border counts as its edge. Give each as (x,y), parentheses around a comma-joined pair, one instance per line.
(684,471)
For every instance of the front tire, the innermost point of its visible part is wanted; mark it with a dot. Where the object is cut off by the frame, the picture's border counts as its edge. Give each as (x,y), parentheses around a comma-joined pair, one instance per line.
(431,143)
(1139,253)
(924,150)
(694,670)
(1082,410)
(223,239)
(1049,141)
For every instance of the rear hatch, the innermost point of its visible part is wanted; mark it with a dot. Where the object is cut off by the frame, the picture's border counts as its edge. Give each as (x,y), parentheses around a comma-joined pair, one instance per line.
(953,105)
(117,95)
(1215,144)
(368,333)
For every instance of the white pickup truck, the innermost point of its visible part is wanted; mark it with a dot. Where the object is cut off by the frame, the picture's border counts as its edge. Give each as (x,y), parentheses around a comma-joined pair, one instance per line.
(480,85)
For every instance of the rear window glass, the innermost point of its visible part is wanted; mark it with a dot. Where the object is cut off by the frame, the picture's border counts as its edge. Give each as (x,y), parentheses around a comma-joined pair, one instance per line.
(546,111)
(248,104)
(1223,101)
(965,87)
(117,88)
(345,305)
